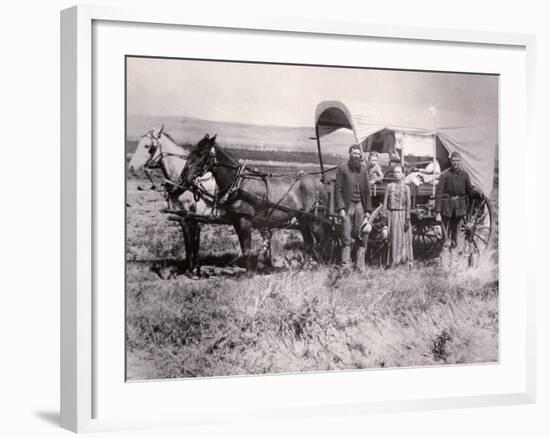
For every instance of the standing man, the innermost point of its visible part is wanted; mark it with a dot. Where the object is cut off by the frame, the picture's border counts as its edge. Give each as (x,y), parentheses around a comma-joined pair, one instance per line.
(450,199)
(352,200)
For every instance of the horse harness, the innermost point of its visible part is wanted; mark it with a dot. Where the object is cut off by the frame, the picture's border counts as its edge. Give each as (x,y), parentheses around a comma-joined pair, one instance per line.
(233,192)
(170,185)
(224,199)
(155,162)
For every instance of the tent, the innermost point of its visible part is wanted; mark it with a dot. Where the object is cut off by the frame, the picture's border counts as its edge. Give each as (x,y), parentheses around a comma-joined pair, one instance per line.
(475,137)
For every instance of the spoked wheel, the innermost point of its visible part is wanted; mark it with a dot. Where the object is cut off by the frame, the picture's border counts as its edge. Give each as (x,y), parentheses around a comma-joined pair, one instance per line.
(332,249)
(377,245)
(330,246)
(428,238)
(476,230)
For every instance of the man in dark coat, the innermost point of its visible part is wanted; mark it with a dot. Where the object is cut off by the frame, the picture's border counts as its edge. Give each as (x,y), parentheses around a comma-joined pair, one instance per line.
(353,203)
(450,200)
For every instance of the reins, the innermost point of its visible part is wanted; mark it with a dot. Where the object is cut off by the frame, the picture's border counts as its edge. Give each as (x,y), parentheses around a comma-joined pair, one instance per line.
(233,190)
(222,198)
(259,173)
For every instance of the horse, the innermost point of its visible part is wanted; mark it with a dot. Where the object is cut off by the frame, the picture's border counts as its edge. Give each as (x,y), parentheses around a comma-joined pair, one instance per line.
(158,150)
(252,199)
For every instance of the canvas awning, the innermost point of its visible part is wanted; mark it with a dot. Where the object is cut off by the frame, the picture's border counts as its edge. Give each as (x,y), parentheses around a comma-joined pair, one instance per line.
(474,137)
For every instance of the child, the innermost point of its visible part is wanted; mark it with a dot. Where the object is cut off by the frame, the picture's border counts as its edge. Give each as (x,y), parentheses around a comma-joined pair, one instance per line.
(374,170)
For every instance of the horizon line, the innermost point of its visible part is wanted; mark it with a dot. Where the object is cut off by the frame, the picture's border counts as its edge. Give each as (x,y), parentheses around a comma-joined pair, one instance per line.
(222,121)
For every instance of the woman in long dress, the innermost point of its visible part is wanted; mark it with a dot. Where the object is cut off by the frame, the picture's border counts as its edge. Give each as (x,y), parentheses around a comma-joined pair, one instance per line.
(397,207)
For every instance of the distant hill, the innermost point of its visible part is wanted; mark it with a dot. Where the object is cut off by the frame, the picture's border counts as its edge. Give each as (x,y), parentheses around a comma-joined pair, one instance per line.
(188,130)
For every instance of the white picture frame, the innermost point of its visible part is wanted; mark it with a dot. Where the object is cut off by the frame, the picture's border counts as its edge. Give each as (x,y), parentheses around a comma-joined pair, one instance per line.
(80,364)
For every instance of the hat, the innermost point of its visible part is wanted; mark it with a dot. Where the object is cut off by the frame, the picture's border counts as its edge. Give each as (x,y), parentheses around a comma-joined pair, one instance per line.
(366,227)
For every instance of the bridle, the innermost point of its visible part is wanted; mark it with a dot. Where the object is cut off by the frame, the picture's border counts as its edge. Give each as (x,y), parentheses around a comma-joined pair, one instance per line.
(208,164)
(155,161)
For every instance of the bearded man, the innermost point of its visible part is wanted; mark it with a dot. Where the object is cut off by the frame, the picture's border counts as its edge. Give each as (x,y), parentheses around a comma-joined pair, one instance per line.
(353,203)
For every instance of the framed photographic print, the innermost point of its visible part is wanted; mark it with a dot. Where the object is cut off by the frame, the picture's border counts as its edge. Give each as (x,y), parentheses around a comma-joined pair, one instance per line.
(321,227)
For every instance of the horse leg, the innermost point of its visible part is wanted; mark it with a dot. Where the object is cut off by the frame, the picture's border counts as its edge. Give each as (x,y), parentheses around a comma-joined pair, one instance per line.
(318,232)
(196,238)
(269,253)
(188,243)
(265,252)
(307,236)
(244,232)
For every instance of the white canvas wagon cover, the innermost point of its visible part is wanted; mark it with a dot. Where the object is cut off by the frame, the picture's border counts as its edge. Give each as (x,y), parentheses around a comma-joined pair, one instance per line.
(475,137)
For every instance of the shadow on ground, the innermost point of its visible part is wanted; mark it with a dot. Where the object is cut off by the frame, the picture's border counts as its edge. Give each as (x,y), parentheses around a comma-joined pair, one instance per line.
(51,417)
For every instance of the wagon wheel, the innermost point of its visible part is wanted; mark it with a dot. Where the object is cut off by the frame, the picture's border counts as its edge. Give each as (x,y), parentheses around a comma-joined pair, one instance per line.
(476,230)
(377,244)
(428,238)
(330,247)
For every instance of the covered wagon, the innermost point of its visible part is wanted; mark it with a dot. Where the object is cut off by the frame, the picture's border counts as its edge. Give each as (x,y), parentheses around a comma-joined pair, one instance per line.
(421,140)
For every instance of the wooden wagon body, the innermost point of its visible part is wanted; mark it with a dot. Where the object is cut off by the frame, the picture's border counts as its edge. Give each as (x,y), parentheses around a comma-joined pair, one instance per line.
(420,140)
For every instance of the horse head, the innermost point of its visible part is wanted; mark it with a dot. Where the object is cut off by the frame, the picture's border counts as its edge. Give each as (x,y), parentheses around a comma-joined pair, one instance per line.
(147,151)
(201,159)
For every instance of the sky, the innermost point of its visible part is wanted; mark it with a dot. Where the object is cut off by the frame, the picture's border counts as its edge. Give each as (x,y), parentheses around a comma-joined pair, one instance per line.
(286,95)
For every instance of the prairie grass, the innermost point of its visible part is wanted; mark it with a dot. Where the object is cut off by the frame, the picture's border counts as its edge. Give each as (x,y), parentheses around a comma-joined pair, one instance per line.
(304,321)
(292,320)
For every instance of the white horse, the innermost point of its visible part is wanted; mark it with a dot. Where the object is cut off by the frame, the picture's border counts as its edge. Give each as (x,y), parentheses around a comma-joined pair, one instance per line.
(158,150)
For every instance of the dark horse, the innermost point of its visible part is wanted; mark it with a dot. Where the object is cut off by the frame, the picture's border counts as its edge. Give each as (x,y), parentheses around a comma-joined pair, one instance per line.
(252,199)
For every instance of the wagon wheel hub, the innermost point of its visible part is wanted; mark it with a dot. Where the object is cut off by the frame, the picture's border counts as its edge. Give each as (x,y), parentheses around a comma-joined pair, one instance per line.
(469,230)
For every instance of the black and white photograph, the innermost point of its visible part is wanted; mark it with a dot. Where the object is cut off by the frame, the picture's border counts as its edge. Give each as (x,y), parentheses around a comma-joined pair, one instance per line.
(285,218)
